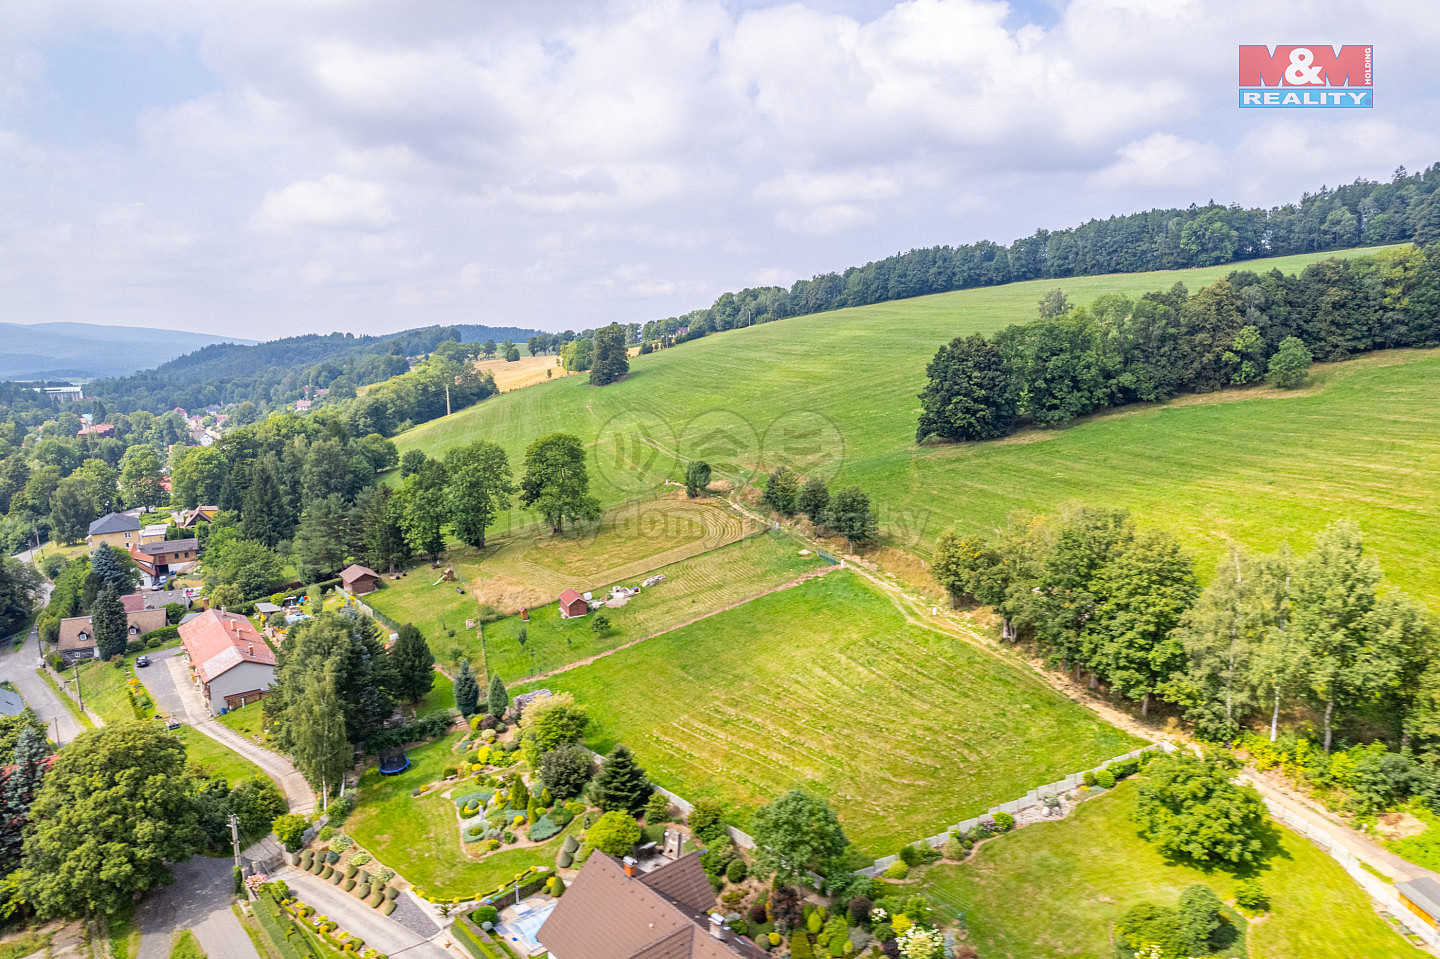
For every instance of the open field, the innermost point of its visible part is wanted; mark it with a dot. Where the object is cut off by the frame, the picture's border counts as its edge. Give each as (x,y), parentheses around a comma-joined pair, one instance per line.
(825,686)
(692,587)
(1249,465)
(420,840)
(526,371)
(1084,872)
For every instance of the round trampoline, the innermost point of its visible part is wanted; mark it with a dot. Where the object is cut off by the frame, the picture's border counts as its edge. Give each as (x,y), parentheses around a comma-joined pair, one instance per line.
(393,761)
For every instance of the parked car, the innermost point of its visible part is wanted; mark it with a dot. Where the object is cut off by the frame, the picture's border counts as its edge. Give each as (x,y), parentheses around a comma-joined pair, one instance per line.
(143,661)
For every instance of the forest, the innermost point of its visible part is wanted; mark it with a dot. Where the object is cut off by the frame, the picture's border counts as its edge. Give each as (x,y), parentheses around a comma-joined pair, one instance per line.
(1362,213)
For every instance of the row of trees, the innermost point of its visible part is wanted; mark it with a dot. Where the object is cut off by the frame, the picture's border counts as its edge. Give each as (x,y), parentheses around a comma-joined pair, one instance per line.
(1360,213)
(1236,331)
(1099,595)
(846,513)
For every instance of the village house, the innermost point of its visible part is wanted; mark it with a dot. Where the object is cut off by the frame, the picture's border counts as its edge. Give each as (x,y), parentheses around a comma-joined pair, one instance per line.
(77,635)
(187,519)
(612,910)
(157,562)
(114,529)
(359,580)
(154,599)
(231,662)
(99,431)
(572,604)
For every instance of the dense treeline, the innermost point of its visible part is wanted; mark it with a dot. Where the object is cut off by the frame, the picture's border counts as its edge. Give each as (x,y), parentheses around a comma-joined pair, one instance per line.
(1236,331)
(1361,213)
(1271,634)
(272,374)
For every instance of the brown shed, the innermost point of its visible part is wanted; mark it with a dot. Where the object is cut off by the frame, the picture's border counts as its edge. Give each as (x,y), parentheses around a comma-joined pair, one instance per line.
(359,580)
(572,604)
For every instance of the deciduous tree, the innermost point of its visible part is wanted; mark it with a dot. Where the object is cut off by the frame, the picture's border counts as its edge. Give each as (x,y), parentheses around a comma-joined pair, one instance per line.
(556,484)
(612,361)
(479,488)
(796,834)
(1190,810)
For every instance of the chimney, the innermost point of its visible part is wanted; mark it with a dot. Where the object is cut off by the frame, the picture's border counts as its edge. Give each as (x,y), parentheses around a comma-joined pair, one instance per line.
(629,862)
(718,930)
(250,649)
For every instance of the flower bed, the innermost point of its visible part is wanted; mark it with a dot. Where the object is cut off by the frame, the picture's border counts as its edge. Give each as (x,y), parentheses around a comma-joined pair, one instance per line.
(531,880)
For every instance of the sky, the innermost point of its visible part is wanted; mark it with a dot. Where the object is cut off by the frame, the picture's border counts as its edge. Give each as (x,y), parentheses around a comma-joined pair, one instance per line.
(266,168)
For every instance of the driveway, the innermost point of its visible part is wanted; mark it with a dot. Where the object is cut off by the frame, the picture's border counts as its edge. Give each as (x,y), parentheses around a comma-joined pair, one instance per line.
(18,666)
(356,917)
(168,680)
(200,901)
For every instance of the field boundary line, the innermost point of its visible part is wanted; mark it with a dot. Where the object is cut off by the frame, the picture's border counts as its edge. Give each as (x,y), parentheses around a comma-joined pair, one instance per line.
(803,578)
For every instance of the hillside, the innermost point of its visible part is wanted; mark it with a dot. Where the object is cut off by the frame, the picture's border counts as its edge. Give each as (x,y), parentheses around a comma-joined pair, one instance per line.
(1261,468)
(86,350)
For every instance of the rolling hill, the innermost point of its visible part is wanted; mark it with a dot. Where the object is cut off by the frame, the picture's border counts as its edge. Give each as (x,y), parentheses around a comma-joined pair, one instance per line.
(86,350)
(835,394)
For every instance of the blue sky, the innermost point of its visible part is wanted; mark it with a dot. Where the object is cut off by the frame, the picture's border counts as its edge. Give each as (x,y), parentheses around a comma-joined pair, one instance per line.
(262,169)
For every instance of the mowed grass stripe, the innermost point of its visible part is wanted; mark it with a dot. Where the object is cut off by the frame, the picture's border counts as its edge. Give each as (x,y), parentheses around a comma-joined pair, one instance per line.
(826,687)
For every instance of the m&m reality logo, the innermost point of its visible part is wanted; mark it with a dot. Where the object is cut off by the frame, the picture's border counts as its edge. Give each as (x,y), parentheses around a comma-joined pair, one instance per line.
(1307,77)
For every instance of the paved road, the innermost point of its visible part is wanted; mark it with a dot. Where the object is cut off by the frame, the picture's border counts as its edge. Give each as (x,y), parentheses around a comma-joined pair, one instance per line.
(18,666)
(168,680)
(200,901)
(360,919)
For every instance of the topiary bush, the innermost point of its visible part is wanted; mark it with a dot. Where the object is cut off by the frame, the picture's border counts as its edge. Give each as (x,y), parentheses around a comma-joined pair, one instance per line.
(327,871)
(737,870)
(392,892)
(896,870)
(1105,779)
(1004,821)
(1089,778)
(338,877)
(349,884)
(362,891)
(388,908)
(350,870)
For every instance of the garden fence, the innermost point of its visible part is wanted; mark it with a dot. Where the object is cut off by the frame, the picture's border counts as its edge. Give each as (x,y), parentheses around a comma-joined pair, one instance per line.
(370,611)
(1014,806)
(1381,891)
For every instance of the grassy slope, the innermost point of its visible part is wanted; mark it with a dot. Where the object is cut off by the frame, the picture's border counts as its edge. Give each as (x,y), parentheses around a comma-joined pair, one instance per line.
(824,686)
(1251,465)
(420,838)
(1084,872)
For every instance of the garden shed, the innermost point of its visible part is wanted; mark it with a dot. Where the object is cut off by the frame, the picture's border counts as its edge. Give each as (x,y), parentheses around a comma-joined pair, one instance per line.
(359,580)
(572,604)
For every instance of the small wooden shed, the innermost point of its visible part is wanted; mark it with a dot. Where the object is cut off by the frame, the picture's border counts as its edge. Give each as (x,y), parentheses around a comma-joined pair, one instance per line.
(359,580)
(572,604)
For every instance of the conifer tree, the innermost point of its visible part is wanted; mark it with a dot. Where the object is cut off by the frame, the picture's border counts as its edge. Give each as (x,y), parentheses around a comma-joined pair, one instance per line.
(265,515)
(21,784)
(411,664)
(621,784)
(107,619)
(467,691)
(499,699)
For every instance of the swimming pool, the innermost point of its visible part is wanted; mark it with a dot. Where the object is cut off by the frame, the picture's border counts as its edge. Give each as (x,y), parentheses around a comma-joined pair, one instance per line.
(521,927)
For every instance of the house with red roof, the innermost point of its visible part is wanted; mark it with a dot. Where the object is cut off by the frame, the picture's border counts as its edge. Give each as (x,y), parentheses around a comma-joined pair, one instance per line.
(572,604)
(231,662)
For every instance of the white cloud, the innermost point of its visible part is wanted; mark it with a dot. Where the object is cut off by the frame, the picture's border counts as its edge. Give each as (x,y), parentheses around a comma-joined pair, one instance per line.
(334,201)
(1161,159)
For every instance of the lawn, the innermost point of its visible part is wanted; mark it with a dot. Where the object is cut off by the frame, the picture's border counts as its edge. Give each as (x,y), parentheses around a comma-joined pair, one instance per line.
(103,688)
(218,760)
(419,838)
(1082,873)
(184,946)
(441,697)
(247,720)
(903,730)
(1262,469)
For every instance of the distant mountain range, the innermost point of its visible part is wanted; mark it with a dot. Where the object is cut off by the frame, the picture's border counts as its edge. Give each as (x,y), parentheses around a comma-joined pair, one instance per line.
(86,350)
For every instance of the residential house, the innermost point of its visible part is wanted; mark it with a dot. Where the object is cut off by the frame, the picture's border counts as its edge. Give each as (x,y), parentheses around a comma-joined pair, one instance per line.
(154,599)
(612,910)
(359,580)
(157,562)
(572,604)
(77,635)
(10,703)
(153,533)
(302,406)
(231,662)
(99,431)
(114,529)
(188,519)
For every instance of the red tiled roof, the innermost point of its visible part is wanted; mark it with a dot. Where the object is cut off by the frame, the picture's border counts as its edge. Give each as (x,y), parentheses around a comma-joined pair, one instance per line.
(569,596)
(217,642)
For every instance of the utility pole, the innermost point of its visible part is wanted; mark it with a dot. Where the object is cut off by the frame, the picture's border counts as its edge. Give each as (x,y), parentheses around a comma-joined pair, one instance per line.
(447,399)
(78,694)
(235,837)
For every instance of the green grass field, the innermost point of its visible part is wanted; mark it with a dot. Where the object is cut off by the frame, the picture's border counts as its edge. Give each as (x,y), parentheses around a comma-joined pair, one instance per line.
(102,686)
(218,760)
(836,392)
(1079,875)
(246,721)
(825,686)
(420,838)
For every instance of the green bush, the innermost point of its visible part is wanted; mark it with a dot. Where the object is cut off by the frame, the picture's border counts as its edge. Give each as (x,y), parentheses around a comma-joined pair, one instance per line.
(362,891)
(392,892)
(737,870)
(800,946)
(1004,821)
(327,871)
(571,845)
(544,828)
(565,860)
(1251,895)
(473,833)
(337,877)
(349,884)
(288,829)
(1089,778)
(350,870)
(1105,779)
(1125,767)
(484,914)
(388,908)
(897,870)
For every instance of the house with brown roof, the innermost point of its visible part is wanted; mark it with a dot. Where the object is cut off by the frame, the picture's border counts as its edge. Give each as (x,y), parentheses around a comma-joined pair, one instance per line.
(164,559)
(77,635)
(187,519)
(572,604)
(231,662)
(359,580)
(612,910)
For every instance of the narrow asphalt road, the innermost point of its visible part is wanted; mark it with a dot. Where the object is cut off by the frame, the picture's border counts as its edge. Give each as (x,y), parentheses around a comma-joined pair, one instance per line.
(18,666)
(200,901)
(361,920)
(168,680)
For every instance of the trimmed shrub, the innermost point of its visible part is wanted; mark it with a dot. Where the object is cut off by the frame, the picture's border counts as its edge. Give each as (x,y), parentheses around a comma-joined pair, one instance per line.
(758,915)
(332,857)
(388,908)
(737,870)
(571,845)
(858,911)
(1004,821)
(800,946)
(296,858)
(1089,778)
(350,870)
(337,878)
(565,860)
(362,891)
(392,892)
(327,871)
(544,828)
(473,833)
(1105,779)
(897,870)
(1125,767)
(349,884)
(363,878)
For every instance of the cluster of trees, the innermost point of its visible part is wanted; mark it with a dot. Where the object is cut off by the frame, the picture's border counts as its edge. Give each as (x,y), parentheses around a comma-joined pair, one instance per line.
(1236,331)
(271,375)
(337,686)
(91,584)
(1099,595)
(846,513)
(19,592)
(1360,213)
(435,387)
